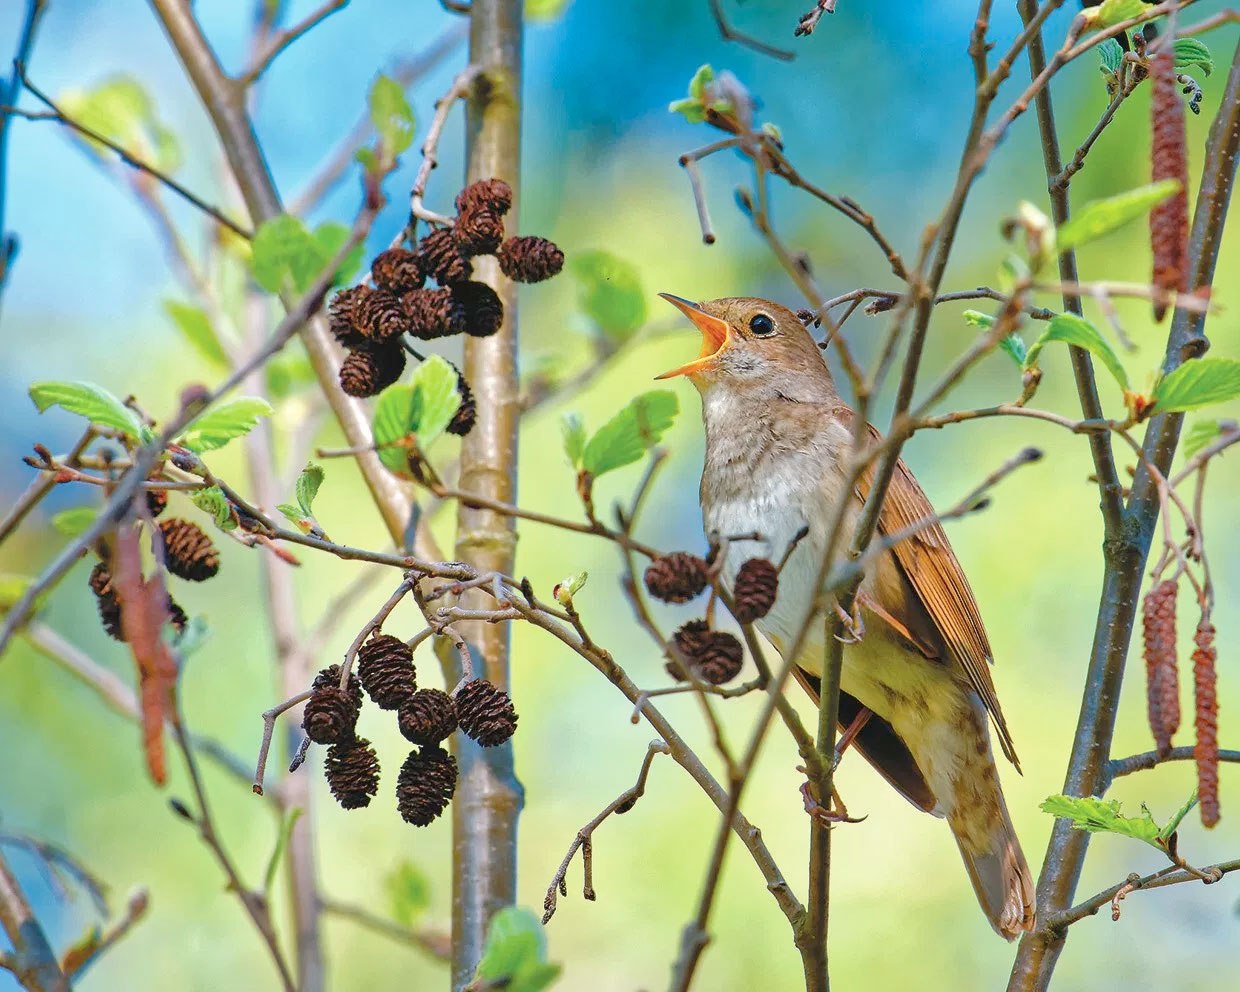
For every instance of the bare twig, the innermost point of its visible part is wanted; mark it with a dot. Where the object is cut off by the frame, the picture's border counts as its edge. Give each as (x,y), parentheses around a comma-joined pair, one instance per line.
(279,41)
(435,943)
(459,90)
(269,726)
(729,33)
(810,19)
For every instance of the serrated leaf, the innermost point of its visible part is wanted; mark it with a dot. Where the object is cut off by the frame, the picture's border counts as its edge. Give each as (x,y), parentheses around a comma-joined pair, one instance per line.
(213,501)
(283,248)
(120,109)
(307,487)
(1198,382)
(409,893)
(391,115)
(277,852)
(1193,53)
(1111,55)
(295,516)
(87,400)
(223,422)
(1014,346)
(194,326)
(331,237)
(1103,816)
(630,433)
(1173,824)
(1074,330)
(1200,435)
(76,521)
(1100,217)
(610,292)
(434,382)
(574,431)
(514,956)
(392,424)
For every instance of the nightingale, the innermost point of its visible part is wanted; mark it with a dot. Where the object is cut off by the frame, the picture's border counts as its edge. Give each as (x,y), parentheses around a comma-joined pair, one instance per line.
(916,693)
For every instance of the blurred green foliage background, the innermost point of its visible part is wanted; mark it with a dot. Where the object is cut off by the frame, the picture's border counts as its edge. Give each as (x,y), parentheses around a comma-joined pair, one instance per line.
(875,107)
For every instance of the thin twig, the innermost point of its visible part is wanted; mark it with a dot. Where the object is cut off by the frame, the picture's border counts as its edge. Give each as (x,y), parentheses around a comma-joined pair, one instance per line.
(459,89)
(279,41)
(436,943)
(729,33)
(269,726)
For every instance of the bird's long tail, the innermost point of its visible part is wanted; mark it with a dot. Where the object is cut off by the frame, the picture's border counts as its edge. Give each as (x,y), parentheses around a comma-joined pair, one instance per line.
(996,865)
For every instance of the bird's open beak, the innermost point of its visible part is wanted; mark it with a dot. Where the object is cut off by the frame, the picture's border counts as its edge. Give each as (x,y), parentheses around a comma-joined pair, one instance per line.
(715,336)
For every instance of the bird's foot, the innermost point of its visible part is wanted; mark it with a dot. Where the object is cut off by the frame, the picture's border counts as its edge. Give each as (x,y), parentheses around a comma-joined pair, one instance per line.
(836,813)
(852,625)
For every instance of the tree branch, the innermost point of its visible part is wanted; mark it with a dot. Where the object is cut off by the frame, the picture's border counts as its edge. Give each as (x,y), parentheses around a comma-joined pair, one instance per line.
(33,962)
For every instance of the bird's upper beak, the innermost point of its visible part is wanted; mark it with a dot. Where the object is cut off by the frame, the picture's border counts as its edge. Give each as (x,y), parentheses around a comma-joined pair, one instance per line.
(716,334)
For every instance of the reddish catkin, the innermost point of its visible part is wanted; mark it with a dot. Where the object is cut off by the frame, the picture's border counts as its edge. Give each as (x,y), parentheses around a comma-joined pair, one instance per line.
(1162,679)
(1169,159)
(1205,693)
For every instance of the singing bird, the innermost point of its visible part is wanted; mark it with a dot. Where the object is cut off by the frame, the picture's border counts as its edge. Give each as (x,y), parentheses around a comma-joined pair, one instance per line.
(917,697)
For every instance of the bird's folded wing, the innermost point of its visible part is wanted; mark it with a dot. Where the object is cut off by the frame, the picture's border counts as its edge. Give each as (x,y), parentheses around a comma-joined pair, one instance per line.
(935,576)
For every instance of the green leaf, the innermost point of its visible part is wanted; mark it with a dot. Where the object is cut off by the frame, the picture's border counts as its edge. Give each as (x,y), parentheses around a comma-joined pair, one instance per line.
(391,115)
(626,437)
(568,587)
(976,318)
(545,10)
(76,521)
(574,431)
(1071,329)
(194,326)
(223,422)
(120,109)
(1111,12)
(1200,435)
(1198,382)
(1192,53)
(1173,824)
(295,516)
(610,292)
(281,247)
(1111,55)
(1103,816)
(514,956)
(409,893)
(307,487)
(690,109)
(277,853)
(435,384)
(1014,345)
(1100,217)
(330,238)
(392,423)
(213,501)
(12,588)
(87,400)
(289,372)
(1012,270)
(693,107)
(701,79)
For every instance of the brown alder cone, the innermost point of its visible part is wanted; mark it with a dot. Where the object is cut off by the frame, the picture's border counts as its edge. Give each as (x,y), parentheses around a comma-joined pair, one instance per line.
(1169,159)
(1162,679)
(755,589)
(1205,692)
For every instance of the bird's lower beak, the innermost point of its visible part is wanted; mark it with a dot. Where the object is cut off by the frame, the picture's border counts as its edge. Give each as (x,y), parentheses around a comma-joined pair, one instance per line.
(715,336)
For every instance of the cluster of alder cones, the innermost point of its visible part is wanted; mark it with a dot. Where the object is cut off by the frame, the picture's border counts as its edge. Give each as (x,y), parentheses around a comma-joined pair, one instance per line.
(188,554)
(426,718)
(714,656)
(371,322)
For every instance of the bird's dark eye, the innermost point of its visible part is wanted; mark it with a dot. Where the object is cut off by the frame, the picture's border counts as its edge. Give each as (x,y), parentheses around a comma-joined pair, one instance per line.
(762,325)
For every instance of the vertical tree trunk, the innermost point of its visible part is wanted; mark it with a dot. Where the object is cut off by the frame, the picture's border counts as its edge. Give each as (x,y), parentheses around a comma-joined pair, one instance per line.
(488,799)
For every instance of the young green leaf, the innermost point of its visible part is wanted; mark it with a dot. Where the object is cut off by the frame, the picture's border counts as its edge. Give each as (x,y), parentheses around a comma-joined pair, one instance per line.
(1071,329)
(1014,346)
(688,108)
(975,318)
(289,372)
(296,516)
(409,893)
(197,330)
(514,956)
(307,487)
(574,431)
(1200,435)
(1110,55)
(391,115)
(1111,12)
(568,587)
(76,521)
(693,107)
(1191,53)
(435,383)
(277,852)
(1198,382)
(1100,217)
(1172,825)
(283,248)
(630,433)
(120,109)
(213,501)
(330,238)
(392,425)
(223,422)
(704,76)
(1103,816)
(610,293)
(12,588)
(87,400)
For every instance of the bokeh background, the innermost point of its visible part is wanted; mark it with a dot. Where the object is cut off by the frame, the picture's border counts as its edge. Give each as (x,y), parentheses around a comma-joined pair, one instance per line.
(875,107)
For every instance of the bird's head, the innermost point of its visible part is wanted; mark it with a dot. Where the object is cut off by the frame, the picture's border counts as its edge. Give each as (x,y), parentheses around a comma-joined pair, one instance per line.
(753,345)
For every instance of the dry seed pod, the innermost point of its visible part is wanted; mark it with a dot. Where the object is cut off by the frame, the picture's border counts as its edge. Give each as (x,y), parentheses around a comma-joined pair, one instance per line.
(427,717)
(1169,160)
(188,552)
(381,317)
(755,589)
(330,715)
(344,315)
(715,656)
(397,270)
(467,413)
(676,577)
(330,676)
(483,309)
(1161,671)
(367,371)
(1205,694)
(425,786)
(441,258)
(478,231)
(352,772)
(485,712)
(494,195)
(433,313)
(385,666)
(530,259)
